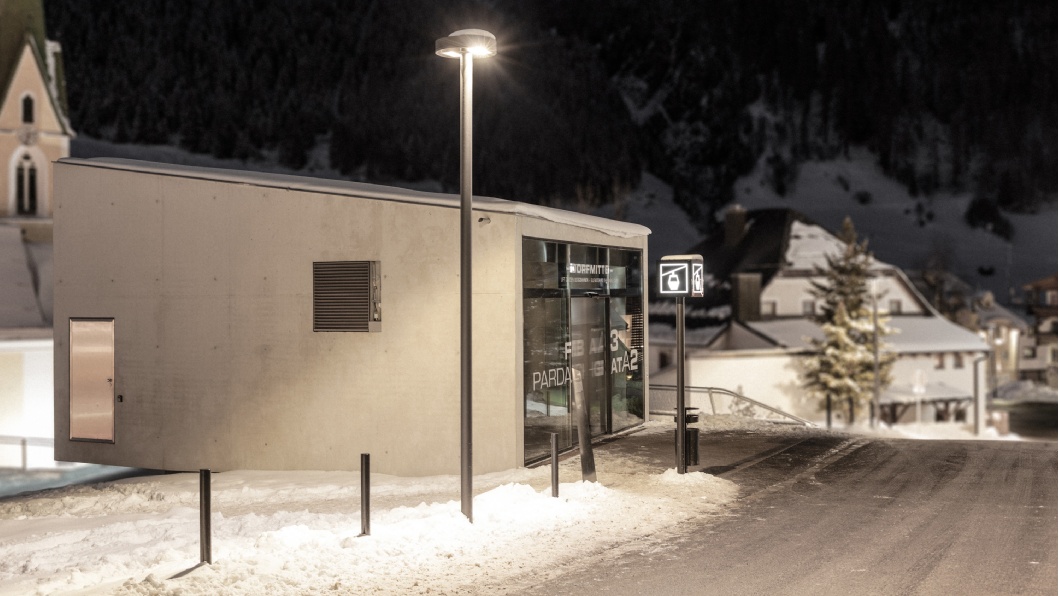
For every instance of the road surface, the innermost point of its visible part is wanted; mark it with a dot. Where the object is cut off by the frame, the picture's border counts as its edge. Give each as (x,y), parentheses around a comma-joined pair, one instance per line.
(856,516)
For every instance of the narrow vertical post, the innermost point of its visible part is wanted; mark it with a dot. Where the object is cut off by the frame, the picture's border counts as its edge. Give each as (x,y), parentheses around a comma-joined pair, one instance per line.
(828,410)
(554,441)
(205,547)
(466,60)
(25,454)
(875,357)
(366,494)
(681,447)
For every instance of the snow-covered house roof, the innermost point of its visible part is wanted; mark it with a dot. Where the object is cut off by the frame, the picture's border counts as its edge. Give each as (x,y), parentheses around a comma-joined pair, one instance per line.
(809,246)
(914,335)
(369,191)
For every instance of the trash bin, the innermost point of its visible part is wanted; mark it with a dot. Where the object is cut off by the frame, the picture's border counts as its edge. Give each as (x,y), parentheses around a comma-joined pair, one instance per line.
(691,446)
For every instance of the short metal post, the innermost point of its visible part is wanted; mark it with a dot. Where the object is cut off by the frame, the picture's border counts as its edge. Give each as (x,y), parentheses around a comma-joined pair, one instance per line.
(554,440)
(366,494)
(205,548)
(25,454)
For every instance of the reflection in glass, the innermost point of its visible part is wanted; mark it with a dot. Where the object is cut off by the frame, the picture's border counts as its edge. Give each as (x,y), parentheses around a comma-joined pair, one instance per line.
(582,313)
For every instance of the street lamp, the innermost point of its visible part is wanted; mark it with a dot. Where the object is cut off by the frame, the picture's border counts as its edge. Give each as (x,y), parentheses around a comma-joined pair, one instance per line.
(466,44)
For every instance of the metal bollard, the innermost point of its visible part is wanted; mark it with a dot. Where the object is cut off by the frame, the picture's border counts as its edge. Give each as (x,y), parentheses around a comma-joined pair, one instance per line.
(25,454)
(205,548)
(366,494)
(554,440)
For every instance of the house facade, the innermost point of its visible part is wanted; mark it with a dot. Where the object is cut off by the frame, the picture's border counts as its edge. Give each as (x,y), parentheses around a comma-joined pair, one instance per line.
(1038,356)
(218,319)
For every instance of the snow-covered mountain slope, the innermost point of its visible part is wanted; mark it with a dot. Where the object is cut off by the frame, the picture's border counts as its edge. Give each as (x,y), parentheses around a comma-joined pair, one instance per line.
(898,233)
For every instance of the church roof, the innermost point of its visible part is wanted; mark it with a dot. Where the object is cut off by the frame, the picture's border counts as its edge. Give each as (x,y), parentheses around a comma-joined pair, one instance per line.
(25,297)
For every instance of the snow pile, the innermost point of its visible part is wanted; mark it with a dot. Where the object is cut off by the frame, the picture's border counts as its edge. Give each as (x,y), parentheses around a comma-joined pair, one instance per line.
(298,532)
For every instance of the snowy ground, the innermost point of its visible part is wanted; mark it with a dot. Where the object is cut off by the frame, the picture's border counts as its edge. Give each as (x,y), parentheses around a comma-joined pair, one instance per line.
(297,532)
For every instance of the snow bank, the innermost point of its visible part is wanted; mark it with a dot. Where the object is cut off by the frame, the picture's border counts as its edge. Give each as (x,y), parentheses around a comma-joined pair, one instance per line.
(298,532)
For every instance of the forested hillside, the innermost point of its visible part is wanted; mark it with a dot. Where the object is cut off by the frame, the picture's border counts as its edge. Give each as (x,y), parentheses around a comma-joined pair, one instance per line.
(584,96)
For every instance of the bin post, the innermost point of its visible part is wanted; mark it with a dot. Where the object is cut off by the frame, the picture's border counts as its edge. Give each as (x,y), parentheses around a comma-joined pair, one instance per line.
(205,546)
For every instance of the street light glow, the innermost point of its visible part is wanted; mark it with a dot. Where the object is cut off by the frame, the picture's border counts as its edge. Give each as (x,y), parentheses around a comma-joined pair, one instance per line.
(478,43)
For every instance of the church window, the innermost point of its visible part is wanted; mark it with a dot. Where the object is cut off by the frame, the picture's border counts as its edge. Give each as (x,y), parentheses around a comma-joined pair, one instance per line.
(26,186)
(27,110)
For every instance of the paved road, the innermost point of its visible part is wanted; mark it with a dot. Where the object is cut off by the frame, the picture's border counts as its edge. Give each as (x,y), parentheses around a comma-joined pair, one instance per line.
(858,516)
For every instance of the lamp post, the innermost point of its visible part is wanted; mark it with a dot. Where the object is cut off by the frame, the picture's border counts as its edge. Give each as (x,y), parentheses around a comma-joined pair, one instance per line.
(466,44)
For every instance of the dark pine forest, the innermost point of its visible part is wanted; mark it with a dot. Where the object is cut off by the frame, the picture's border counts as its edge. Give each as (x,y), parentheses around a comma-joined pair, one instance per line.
(585,96)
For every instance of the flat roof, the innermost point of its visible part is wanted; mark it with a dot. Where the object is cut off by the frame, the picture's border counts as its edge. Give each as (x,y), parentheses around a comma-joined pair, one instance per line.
(362,190)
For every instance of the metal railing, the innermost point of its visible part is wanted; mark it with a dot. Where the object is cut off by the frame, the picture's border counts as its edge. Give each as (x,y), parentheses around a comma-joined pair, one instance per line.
(666,395)
(25,443)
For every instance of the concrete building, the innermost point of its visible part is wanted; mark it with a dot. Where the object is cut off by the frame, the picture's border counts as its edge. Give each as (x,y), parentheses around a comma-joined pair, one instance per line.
(231,320)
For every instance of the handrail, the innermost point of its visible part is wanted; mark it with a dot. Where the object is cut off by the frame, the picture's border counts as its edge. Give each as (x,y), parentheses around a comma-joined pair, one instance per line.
(710,391)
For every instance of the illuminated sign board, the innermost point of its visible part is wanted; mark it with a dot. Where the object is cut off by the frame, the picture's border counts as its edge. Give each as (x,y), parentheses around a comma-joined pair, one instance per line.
(681,276)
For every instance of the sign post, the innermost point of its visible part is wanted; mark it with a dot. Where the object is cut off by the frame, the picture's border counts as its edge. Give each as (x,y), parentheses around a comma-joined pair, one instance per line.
(681,276)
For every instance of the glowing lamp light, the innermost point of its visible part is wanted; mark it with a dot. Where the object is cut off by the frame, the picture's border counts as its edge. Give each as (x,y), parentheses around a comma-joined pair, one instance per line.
(478,43)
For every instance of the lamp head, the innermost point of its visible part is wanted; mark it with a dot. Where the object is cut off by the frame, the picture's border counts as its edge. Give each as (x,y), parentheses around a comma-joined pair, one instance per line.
(476,42)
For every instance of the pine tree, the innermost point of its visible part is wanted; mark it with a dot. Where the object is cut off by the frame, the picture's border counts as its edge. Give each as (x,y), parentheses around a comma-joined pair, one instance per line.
(843,371)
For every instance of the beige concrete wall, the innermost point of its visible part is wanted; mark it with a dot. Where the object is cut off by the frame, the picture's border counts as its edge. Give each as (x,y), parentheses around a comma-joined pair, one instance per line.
(50,144)
(210,286)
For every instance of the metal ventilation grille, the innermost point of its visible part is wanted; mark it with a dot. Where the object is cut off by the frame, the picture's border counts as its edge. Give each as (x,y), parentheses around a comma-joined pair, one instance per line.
(346,296)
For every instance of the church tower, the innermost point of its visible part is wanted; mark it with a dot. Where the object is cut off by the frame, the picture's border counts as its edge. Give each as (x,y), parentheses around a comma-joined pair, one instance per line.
(34,126)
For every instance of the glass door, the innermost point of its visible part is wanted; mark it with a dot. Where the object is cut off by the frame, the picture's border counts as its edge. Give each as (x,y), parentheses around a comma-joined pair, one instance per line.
(589,355)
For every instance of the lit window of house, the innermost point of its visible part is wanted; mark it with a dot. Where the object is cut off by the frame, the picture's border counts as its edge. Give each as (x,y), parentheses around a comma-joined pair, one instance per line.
(958,360)
(809,308)
(1030,352)
(940,361)
(895,307)
(769,309)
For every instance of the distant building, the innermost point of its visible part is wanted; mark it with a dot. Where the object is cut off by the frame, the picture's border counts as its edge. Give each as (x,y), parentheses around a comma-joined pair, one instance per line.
(34,132)
(762,270)
(1039,351)
(34,127)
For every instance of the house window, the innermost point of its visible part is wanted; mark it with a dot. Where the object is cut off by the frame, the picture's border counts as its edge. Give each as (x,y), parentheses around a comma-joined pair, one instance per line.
(26,186)
(1030,352)
(808,308)
(958,361)
(895,307)
(346,296)
(27,110)
(769,309)
(940,361)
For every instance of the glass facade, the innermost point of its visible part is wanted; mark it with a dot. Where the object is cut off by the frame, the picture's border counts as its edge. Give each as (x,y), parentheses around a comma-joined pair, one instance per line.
(583,331)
